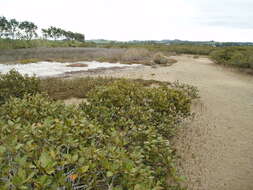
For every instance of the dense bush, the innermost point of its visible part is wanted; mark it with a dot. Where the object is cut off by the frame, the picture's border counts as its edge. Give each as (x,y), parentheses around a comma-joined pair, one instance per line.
(234,56)
(118,140)
(123,104)
(17,85)
(33,109)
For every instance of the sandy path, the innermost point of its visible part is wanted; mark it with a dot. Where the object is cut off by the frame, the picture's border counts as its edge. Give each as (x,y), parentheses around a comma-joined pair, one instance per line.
(217,148)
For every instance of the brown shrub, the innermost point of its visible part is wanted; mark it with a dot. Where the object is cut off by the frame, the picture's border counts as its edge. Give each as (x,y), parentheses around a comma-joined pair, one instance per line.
(159,58)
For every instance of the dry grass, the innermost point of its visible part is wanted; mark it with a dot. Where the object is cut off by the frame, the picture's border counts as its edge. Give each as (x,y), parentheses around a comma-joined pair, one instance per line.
(60,54)
(136,55)
(63,55)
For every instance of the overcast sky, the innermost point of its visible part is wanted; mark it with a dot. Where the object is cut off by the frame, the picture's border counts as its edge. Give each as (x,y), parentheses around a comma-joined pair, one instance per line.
(219,20)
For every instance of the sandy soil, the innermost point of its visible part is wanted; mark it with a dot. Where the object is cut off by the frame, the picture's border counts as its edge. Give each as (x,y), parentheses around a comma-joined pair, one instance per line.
(216,149)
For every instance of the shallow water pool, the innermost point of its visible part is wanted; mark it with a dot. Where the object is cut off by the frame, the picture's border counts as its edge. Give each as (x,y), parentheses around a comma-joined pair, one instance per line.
(47,69)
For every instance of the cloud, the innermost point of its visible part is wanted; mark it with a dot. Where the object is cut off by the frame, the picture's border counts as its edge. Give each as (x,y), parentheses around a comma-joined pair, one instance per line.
(225,13)
(223,20)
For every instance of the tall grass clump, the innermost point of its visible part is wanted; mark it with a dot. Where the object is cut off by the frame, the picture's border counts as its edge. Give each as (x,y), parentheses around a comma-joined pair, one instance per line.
(135,55)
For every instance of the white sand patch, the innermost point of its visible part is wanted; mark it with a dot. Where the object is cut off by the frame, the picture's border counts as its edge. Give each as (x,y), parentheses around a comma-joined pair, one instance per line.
(46,69)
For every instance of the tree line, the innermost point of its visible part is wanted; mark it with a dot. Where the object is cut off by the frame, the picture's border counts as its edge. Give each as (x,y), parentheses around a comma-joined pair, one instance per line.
(25,30)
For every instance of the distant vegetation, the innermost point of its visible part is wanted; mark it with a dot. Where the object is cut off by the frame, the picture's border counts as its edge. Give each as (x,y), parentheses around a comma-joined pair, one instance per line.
(37,43)
(121,142)
(58,33)
(16,35)
(241,57)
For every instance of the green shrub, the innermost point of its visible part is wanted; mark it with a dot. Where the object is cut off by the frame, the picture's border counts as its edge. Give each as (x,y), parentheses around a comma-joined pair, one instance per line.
(186,89)
(118,140)
(33,109)
(16,85)
(241,57)
(124,104)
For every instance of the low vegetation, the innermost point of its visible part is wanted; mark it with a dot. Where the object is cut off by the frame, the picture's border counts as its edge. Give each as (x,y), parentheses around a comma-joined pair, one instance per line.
(136,55)
(118,139)
(14,84)
(38,43)
(241,57)
(26,61)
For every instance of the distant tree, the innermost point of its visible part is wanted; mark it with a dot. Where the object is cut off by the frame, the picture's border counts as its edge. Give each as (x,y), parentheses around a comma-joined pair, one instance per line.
(45,33)
(28,30)
(3,26)
(53,33)
(13,28)
(79,37)
(60,34)
(56,32)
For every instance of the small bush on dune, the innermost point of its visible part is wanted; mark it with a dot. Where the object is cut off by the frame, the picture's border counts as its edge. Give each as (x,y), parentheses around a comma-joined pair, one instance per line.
(16,85)
(159,58)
